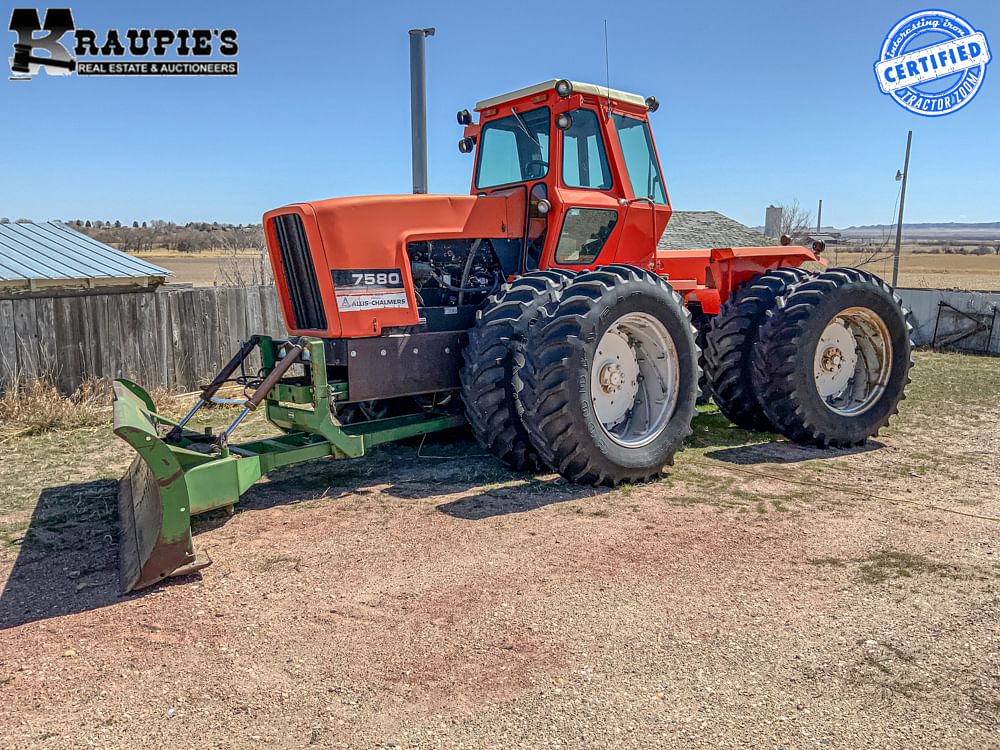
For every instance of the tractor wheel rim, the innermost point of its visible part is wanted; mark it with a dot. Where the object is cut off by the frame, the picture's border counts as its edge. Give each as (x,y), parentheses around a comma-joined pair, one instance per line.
(853,361)
(634,379)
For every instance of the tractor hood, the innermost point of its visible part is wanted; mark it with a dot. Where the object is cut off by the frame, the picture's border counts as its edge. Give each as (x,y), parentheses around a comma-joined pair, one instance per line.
(341,265)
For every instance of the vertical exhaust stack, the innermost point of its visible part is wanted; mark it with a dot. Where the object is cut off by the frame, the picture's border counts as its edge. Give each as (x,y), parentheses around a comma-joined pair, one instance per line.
(418,106)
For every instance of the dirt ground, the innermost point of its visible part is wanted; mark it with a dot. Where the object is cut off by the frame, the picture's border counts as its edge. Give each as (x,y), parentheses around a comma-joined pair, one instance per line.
(978,272)
(762,595)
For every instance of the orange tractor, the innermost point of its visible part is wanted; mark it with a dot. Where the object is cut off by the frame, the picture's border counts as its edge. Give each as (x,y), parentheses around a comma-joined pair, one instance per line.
(538,310)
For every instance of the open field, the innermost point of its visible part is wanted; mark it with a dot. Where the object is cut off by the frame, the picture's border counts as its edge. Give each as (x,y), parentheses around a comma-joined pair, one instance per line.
(762,595)
(980,272)
(205,268)
(927,271)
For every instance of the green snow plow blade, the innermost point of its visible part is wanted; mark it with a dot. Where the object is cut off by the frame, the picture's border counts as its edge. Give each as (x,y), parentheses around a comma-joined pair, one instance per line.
(179,473)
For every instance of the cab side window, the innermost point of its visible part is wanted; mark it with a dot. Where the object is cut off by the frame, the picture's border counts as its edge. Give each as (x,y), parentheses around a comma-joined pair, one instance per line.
(640,158)
(585,160)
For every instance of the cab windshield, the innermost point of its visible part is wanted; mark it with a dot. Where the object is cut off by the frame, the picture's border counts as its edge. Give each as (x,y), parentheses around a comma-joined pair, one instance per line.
(514,149)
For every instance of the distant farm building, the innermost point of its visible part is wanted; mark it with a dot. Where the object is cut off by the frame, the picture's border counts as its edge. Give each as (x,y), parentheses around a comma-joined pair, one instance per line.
(50,256)
(772,221)
(828,238)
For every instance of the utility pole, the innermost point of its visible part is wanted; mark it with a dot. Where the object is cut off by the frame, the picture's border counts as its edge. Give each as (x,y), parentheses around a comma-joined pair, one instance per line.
(902,198)
(418,107)
(819,217)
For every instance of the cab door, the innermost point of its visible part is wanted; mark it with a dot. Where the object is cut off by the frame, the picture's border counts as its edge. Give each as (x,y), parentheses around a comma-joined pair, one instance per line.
(586,214)
(647,208)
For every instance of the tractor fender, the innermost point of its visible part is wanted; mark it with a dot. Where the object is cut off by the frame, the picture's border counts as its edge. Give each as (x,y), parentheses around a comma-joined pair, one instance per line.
(729,267)
(708,277)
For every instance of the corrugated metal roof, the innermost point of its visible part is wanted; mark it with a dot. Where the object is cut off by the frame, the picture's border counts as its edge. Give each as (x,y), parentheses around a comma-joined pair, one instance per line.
(53,251)
(701,230)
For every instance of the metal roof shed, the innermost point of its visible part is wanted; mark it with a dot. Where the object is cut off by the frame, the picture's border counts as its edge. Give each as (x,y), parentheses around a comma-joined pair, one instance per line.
(50,255)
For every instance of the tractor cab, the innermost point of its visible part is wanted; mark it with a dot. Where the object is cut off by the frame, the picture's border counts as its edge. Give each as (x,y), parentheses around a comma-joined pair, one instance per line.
(584,159)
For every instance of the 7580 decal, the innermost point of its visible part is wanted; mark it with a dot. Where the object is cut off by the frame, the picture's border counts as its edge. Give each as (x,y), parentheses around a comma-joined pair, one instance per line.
(360,278)
(365,289)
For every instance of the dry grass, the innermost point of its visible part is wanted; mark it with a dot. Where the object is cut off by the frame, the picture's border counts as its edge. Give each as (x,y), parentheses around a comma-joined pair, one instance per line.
(34,406)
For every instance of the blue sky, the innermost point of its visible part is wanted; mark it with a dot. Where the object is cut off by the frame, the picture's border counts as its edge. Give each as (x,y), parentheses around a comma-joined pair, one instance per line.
(761,102)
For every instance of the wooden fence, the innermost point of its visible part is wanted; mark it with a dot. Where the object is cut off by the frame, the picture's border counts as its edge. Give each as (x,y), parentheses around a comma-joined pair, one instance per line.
(169,338)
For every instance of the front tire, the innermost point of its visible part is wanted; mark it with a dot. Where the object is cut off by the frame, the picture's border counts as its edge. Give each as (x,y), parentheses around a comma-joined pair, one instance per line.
(610,377)
(833,359)
(491,403)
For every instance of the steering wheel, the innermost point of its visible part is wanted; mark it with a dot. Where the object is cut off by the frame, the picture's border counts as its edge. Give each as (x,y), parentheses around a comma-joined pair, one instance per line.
(530,166)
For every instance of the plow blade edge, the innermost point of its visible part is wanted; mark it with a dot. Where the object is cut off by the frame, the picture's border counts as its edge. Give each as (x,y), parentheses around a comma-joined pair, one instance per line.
(154,511)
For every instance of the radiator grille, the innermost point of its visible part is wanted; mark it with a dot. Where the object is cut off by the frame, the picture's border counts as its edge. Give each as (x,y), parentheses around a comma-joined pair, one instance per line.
(300,273)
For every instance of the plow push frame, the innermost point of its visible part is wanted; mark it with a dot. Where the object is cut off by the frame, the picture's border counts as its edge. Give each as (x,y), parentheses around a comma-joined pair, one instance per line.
(179,473)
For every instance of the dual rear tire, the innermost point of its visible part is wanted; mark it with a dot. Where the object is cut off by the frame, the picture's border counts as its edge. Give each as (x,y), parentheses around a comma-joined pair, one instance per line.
(822,359)
(833,359)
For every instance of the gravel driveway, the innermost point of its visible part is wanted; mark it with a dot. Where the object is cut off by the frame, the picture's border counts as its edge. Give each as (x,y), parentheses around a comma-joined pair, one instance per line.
(763,595)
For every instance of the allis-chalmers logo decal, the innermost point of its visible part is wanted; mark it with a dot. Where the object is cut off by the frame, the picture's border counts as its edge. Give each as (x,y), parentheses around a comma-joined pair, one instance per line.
(137,52)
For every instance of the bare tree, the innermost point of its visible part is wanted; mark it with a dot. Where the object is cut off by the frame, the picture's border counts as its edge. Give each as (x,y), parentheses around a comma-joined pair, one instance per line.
(796,221)
(245,260)
(876,252)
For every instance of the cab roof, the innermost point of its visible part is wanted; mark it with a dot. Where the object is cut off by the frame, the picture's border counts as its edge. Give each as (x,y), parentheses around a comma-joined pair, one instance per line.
(579,88)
